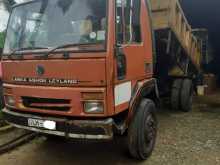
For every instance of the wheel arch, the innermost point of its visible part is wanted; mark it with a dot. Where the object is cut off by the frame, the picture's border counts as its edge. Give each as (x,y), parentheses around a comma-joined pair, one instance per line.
(143,89)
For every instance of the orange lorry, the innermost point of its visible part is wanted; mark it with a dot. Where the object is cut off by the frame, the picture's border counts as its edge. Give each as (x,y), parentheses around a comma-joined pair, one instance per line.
(90,69)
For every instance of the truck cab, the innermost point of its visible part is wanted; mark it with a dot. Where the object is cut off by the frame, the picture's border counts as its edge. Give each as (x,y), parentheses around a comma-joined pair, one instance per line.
(82,69)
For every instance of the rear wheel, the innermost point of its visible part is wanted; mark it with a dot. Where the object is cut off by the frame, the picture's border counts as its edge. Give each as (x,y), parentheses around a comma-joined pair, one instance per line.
(142,131)
(186,95)
(175,94)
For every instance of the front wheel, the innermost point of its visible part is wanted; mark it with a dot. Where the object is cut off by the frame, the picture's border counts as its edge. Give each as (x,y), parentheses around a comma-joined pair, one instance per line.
(142,131)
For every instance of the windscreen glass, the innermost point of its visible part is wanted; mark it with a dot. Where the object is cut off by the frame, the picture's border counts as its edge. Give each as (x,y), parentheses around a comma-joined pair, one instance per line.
(50,23)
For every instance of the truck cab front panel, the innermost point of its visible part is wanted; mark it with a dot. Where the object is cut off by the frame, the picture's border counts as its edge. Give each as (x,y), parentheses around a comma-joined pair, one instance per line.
(61,101)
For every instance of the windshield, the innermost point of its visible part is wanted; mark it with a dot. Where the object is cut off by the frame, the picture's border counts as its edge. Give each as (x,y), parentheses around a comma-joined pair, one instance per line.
(50,23)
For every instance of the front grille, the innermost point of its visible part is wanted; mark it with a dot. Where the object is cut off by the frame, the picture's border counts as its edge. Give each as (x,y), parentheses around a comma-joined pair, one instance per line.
(46,103)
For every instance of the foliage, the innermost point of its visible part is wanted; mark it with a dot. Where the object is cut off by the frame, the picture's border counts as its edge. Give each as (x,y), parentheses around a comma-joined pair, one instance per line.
(2,34)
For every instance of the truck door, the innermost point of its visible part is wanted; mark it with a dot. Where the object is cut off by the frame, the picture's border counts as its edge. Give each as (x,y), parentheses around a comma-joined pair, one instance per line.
(133,55)
(134,44)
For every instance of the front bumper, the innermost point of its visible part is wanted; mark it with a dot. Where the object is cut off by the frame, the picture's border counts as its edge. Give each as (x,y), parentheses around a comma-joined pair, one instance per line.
(81,129)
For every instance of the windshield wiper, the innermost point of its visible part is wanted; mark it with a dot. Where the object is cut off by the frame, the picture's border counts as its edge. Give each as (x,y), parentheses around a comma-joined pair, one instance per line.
(48,54)
(25,48)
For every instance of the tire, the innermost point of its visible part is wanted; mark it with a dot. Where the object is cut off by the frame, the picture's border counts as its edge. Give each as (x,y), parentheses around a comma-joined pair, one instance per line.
(142,131)
(186,95)
(175,94)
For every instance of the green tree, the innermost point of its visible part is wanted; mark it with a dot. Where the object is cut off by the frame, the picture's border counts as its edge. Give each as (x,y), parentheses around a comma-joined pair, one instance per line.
(2,36)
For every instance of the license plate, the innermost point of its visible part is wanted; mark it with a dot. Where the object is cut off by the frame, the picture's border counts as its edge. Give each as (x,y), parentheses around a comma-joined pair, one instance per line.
(42,124)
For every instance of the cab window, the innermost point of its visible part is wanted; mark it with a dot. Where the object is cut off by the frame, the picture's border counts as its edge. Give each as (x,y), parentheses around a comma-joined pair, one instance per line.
(128,21)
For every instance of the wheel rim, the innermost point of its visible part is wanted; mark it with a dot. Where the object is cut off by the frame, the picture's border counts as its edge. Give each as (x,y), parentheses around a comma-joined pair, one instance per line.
(150,132)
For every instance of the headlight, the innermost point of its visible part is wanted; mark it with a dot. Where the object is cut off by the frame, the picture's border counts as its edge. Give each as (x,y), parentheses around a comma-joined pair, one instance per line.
(93,107)
(9,100)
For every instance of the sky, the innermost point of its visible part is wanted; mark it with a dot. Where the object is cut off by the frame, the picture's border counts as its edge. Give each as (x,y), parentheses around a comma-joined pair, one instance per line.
(4,15)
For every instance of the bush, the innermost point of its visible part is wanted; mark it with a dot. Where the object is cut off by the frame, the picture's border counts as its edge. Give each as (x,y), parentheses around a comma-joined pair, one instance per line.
(2,37)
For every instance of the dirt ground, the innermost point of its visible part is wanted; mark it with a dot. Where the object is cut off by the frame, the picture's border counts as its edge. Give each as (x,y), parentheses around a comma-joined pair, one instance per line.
(6,137)
(183,139)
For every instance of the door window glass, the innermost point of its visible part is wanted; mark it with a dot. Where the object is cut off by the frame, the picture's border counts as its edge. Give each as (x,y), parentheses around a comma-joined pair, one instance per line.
(132,21)
(119,22)
(128,21)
